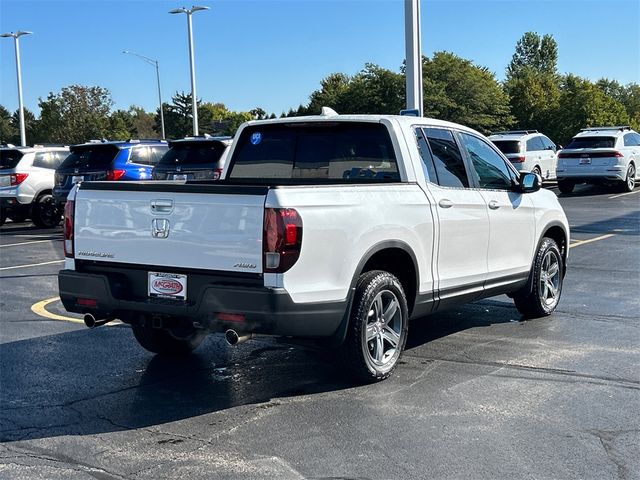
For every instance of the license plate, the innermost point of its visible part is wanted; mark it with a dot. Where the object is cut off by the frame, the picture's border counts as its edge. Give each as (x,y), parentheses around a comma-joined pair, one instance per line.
(182,176)
(167,285)
(77,179)
(585,161)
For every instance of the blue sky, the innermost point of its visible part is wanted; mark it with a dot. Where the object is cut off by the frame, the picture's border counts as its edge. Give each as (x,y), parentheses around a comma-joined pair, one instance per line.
(273,54)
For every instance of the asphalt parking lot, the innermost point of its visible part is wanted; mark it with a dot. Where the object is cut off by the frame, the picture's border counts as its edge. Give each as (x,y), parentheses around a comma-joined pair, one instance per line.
(479,394)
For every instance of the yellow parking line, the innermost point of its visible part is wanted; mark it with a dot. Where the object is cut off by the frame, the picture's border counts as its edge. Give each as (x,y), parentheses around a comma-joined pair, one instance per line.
(577,243)
(39,308)
(623,194)
(31,265)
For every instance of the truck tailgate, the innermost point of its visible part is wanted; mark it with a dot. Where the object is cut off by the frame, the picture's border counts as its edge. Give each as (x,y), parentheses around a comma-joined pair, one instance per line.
(171,225)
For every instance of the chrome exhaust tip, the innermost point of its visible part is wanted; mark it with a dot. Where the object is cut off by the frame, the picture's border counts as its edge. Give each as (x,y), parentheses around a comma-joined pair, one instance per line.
(234,338)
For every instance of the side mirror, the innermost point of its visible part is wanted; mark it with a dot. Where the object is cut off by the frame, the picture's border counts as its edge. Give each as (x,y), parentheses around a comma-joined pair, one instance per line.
(530,182)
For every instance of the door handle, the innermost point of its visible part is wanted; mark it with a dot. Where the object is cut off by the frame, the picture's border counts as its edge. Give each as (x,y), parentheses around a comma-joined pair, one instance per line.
(493,205)
(445,203)
(162,206)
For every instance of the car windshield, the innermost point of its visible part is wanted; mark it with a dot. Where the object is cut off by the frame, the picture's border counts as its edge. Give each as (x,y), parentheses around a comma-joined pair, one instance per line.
(9,158)
(507,146)
(193,153)
(319,152)
(90,157)
(592,142)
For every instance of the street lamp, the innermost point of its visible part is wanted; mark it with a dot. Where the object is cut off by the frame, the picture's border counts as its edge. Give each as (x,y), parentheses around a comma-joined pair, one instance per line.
(16,44)
(154,63)
(194,101)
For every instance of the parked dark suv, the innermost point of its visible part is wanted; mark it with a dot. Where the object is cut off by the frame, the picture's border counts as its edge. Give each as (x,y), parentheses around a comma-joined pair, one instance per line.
(103,160)
(193,158)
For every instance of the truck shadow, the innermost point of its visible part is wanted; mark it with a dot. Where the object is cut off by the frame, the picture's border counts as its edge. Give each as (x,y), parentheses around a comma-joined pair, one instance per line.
(99,381)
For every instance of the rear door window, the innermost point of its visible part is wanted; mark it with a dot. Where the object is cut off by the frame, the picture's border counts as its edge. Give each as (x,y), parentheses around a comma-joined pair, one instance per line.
(318,151)
(491,170)
(9,159)
(90,157)
(143,155)
(50,160)
(448,160)
(630,140)
(592,142)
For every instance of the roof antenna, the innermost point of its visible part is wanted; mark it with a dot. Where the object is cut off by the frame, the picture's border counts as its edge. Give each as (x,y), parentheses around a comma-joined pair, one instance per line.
(328,112)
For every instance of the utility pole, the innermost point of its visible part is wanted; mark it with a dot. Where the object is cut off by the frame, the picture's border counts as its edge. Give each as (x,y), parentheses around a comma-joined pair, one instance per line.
(413,55)
(16,43)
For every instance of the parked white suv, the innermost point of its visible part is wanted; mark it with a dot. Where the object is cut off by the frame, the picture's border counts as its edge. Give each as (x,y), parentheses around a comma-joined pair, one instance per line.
(336,228)
(605,155)
(528,150)
(26,181)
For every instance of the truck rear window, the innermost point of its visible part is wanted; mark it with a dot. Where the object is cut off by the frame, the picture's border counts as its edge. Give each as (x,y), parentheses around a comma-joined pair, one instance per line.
(9,158)
(592,142)
(326,152)
(193,153)
(90,157)
(507,146)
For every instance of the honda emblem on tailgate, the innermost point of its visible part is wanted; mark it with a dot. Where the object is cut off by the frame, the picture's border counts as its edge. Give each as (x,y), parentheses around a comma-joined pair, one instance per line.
(160,228)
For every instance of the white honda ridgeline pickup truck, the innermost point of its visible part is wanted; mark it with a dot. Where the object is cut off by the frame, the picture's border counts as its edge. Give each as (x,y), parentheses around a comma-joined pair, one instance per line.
(333,227)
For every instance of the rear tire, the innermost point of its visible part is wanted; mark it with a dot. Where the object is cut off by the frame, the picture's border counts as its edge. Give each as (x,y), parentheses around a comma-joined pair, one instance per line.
(45,212)
(163,342)
(629,183)
(547,279)
(565,187)
(378,327)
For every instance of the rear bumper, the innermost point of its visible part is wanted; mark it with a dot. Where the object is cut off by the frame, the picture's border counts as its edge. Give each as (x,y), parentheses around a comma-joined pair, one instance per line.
(611,173)
(60,195)
(266,311)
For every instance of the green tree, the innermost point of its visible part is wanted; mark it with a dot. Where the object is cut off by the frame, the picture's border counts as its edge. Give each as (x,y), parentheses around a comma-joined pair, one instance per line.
(7,130)
(31,128)
(142,123)
(458,91)
(178,121)
(532,82)
(534,52)
(120,126)
(582,104)
(76,114)
(627,95)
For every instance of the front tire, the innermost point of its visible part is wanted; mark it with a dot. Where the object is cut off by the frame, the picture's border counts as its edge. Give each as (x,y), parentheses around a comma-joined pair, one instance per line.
(629,182)
(547,279)
(565,186)
(378,327)
(164,342)
(45,212)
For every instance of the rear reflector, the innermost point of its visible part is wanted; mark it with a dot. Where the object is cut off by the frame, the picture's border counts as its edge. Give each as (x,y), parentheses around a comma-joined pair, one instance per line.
(69,210)
(230,317)
(282,239)
(87,302)
(520,159)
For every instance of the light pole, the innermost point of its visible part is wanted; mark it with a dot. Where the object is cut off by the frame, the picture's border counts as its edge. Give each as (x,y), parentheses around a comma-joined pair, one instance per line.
(194,100)
(413,70)
(16,44)
(154,63)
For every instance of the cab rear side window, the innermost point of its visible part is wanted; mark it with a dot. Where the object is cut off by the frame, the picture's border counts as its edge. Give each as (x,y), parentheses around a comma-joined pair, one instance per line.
(448,162)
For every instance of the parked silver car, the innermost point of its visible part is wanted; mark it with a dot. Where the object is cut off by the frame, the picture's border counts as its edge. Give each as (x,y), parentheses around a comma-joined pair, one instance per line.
(26,182)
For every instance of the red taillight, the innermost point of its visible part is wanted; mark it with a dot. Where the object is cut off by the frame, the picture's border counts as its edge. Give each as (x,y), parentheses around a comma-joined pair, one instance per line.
(114,174)
(282,239)
(18,178)
(68,228)
(217,173)
(519,159)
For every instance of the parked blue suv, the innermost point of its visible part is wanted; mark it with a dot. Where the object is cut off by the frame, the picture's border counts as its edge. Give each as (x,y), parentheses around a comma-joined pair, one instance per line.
(104,160)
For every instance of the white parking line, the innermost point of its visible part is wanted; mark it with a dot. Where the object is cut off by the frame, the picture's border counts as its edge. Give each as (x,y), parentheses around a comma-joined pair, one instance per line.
(24,243)
(624,194)
(31,265)
(577,243)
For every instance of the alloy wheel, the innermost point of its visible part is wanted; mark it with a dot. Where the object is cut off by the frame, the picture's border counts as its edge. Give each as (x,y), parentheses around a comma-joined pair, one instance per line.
(549,285)
(383,329)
